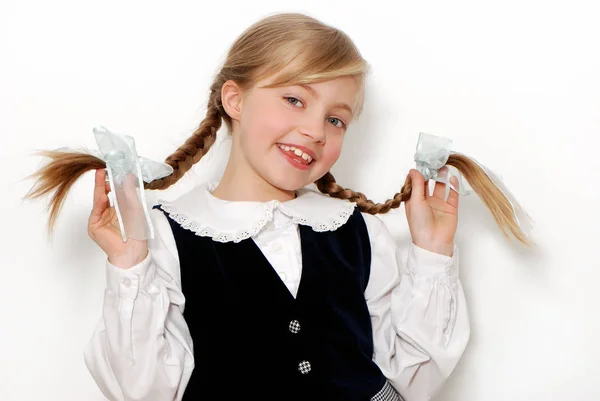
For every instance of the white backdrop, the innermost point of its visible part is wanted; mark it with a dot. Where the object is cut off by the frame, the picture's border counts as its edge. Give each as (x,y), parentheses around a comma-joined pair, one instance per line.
(516,84)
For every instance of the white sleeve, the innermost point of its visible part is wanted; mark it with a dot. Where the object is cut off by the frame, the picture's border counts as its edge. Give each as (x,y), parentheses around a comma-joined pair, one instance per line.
(418,313)
(141,348)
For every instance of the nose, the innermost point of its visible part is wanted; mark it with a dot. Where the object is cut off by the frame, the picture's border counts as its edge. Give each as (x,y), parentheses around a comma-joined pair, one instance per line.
(315,130)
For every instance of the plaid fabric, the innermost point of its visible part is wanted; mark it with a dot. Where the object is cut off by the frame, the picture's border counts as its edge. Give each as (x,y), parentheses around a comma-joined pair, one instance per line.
(387,393)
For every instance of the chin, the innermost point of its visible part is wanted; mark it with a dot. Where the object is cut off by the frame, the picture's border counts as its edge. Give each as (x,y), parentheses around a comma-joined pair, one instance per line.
(289,183)
(286,185)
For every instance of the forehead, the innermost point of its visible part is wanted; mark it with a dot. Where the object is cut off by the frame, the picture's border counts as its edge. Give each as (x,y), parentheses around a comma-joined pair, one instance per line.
(341,87)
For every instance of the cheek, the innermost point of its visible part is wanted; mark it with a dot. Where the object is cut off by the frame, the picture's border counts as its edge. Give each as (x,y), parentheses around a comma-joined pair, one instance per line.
(333,149)
(275,125)
(267,114)
(266,123)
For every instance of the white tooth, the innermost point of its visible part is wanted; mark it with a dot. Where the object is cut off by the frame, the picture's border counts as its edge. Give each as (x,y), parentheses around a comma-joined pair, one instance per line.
(298,152)
(309,159)
(305,156)
(286,148)
(292,148)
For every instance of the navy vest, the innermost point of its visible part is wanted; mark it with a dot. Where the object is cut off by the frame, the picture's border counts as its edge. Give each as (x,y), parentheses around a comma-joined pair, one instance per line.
(253,339)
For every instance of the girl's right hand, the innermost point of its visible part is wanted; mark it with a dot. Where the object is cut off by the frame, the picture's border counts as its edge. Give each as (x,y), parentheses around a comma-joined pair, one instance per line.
(103,228)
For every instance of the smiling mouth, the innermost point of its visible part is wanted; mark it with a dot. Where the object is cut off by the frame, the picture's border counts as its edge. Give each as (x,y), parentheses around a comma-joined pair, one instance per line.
(296,154)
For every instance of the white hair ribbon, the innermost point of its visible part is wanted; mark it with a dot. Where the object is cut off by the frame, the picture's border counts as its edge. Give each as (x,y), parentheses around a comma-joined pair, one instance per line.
(431,156)
(126,174)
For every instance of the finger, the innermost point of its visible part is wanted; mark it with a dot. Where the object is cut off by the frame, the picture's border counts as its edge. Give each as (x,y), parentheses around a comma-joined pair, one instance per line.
(99,185)
(418,185)
(129,187)
(453,197)
(100,205)
(428,188)
(439,191)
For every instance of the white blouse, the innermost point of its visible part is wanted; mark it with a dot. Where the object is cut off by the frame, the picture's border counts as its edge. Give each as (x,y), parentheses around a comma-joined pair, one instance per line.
(142,348)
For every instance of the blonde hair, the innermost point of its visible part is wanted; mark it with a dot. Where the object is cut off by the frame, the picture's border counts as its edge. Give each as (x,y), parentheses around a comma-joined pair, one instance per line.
(312,52)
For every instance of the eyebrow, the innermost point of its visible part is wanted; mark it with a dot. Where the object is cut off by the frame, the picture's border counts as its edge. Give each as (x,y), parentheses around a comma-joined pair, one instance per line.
(316,95)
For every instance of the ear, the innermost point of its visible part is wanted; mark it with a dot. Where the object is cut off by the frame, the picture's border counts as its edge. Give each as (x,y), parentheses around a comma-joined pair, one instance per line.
(231,98)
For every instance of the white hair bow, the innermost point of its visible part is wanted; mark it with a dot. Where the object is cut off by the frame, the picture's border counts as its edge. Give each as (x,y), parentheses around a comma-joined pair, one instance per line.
(431,157)
(126,174)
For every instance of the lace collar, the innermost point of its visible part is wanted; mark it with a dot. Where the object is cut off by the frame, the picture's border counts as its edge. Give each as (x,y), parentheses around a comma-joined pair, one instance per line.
(225,221)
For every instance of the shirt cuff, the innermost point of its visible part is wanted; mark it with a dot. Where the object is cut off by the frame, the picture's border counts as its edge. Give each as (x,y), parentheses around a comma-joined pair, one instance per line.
(426,263)
(127,282)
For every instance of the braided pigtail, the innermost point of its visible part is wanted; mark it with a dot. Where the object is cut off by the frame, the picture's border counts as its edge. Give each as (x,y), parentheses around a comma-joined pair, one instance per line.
(195,147)
(327,185)
(66,167)
(493,198)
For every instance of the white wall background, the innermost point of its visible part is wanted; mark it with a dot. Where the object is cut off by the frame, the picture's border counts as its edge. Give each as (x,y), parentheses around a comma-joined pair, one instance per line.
(516,84)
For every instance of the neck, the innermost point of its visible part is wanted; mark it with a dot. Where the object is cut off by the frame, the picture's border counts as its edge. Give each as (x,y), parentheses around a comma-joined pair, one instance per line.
(244,184)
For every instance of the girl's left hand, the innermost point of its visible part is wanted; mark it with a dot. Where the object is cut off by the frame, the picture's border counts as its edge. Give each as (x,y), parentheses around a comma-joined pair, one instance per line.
(431,220)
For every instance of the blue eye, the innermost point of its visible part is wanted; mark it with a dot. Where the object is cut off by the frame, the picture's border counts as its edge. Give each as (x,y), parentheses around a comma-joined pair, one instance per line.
(296,102)
(338,120)
(293,103)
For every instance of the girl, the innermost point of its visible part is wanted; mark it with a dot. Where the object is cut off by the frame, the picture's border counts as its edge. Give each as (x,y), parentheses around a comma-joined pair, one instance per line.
(255,286)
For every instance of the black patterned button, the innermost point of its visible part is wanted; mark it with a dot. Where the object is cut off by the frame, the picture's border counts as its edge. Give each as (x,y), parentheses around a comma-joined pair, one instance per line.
(304,367)
(294,326)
